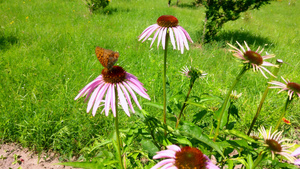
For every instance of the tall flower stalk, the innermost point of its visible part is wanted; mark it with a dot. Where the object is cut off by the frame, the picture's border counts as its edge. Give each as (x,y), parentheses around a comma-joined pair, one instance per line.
(224,105)
(275,72)
(251,59)
(167,28)
(194,74)
(119,144)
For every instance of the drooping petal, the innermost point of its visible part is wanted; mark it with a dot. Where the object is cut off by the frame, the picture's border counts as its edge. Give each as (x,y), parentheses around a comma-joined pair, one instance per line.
(113,100)
(162,163)
(159,36)
(107,99)
(186,34)
(172,38)
(127,97)
(123,100)
(99,98)
(132,94)
(164,34)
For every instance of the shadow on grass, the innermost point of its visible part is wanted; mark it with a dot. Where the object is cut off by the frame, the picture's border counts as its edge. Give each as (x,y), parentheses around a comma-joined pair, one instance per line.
(241,36)
(187,5)
(110,11)
(6,41)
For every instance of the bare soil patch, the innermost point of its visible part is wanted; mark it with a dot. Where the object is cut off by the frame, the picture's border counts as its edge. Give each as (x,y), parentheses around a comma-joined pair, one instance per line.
(15,157)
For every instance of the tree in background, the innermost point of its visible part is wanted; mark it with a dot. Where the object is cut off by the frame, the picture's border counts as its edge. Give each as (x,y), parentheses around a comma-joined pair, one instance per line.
(219,12)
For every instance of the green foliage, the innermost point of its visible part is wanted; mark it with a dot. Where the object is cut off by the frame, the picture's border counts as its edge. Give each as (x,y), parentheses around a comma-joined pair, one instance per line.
(48,57)
(219,12)
(95,5)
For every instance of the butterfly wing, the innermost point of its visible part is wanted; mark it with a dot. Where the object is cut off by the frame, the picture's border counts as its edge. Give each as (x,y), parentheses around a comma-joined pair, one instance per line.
(106,57)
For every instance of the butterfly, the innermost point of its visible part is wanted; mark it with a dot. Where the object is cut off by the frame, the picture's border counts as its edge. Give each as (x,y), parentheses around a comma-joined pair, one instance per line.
(106,57)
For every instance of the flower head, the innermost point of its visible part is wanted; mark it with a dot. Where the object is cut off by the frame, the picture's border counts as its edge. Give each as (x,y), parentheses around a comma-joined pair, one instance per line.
(192,72)
(286,121)
(109,82)
(183,158)
(253,58)
(274,143)
(291,87)
(167,24)
(234,95)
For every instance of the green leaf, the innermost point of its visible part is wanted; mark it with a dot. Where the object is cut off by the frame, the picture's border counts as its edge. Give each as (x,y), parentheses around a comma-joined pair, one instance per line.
(249,160)
(184,140)
(198,116)
(194,131)
(239,143)
(239,134)
(225,114)
(156,105)
(149,146)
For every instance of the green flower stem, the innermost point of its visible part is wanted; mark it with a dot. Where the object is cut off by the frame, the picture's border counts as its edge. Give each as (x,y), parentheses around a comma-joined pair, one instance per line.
(245,68)
(164,83)
(276,69)
(260,157)
(184,104)
(283,112)
(117,130)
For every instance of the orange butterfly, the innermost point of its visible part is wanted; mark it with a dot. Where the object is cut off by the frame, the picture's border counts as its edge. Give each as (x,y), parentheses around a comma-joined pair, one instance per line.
(106,57)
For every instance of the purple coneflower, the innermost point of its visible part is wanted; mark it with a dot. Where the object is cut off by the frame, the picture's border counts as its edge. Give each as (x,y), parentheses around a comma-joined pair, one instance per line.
(109,82)
(167,24)
(291,87)
(274,143)
(254,58)
(186,157)
(296,153)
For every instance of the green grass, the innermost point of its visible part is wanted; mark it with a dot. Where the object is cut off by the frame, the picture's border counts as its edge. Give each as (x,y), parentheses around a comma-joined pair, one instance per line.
(49,56)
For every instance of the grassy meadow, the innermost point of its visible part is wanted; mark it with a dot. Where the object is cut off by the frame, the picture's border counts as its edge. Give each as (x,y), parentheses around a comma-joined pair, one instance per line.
(47,56)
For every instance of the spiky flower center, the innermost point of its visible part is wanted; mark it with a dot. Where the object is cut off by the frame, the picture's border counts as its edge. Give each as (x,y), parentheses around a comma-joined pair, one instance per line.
(274,145)
(190,158)
(294,86)
(253,57)
(115,75)
(167,21)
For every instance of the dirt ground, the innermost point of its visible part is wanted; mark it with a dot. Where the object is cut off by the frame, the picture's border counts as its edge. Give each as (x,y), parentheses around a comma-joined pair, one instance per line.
(13,156)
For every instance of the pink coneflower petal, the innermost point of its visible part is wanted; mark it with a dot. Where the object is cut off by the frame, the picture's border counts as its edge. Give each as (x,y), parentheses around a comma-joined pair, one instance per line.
(99,98)
(291,87)
(254,58)
(132,95)
(127,97)
(154,37)
(93,98)
(107,100)
(167,24)
(186,34)
(163,41)
(159,36)
(123,101)
(172,38)
(162,163)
